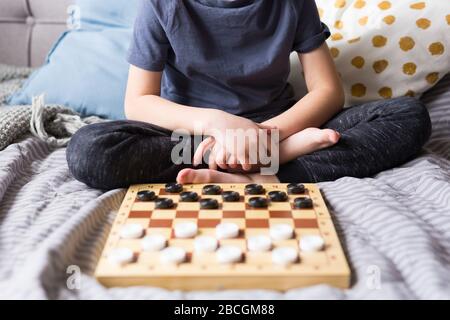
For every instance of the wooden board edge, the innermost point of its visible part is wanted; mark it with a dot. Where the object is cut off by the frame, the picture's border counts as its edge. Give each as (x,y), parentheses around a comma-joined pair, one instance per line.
(228,283)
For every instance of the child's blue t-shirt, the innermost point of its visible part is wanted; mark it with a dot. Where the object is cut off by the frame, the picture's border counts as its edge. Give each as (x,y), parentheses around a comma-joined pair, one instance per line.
(229,55)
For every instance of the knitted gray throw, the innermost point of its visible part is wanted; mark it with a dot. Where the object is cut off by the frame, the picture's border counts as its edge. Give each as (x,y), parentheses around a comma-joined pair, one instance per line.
(51,123)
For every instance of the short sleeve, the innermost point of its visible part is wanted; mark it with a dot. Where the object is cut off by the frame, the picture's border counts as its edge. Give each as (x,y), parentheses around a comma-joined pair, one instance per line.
(149,45)
(311,32)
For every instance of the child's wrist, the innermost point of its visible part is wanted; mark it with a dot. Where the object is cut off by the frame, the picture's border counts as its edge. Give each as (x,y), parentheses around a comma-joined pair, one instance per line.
(210,120)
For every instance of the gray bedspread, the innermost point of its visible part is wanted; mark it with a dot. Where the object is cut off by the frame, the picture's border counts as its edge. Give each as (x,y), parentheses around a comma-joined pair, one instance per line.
(395,227)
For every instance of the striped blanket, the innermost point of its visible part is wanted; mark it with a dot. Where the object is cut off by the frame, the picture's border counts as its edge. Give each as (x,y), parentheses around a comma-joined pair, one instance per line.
(395,227)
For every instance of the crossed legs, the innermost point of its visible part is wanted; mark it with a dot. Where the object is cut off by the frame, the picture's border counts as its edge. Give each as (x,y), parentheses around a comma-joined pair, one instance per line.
(372,137)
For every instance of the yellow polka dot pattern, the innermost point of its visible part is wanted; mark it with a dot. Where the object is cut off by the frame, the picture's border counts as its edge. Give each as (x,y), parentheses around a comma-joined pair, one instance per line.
(358,62)
(359,4)
(409,68)
(433,77)
(436,48)
(389,19)
(379,41)
(338,24)
(336,36)
(410,93)
(407,43)
(363,20)
(334,52)
(340,3)
(359,90)
(385,92)
(418,5)
(384,5)
(354,40)
(380,65)
(423,23)
(385,49)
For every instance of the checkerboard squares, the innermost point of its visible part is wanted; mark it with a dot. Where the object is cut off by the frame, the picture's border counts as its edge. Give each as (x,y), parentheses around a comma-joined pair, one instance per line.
(166,232)
(143,206)
(186,244)
(275,221)
(281,206)
(256,232)
(150,259)
(240,222)
(163,214)
(207,232)
(188,206)
(241,243)
(233,206)
(293,243)
(130,244)
(304,214)
(306,231)
(257,214)
(174,197)
(210,214)
(142,222)
(208,223)
(184,220)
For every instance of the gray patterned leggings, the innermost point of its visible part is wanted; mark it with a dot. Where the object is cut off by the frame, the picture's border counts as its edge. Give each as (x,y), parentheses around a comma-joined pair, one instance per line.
(375,136)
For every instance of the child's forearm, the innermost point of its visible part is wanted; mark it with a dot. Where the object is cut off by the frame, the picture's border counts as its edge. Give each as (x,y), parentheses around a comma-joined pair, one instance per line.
(316,108)
(172,116)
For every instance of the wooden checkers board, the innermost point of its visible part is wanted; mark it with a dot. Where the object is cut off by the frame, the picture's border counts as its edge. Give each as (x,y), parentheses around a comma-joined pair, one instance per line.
(202,271)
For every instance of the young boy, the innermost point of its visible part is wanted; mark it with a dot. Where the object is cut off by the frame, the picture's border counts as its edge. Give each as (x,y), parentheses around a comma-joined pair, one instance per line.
(219,65)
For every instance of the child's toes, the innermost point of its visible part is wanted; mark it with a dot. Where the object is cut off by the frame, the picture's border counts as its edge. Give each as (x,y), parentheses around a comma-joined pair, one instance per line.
(185,176)
(326,138)
(194,176)
(333,136)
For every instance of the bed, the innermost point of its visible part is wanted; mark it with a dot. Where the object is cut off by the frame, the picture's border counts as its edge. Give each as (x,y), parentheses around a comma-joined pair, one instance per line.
(395,227)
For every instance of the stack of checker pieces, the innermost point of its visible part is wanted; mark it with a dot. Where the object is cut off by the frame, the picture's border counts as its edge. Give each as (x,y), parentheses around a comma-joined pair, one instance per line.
(304,210)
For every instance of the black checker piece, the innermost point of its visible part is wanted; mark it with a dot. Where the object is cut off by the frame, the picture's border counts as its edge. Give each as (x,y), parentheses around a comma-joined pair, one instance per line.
(258,202)
(254,189)
(146,195)
(303,203)
(209,204)
(231,196)
(164,203)
(212,190)
(278,196)
(174,187)
(296,188)
(189,196)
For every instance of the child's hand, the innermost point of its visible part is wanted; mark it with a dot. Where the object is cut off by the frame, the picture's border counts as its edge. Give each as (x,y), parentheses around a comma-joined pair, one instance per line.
(234,142)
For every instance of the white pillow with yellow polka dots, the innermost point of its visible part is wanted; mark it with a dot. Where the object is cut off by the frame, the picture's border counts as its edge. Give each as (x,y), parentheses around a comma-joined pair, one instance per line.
(386,49)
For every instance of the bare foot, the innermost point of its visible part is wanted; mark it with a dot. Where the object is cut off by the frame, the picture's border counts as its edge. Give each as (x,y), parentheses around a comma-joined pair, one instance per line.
(307,141)
(314,138)
(213,176)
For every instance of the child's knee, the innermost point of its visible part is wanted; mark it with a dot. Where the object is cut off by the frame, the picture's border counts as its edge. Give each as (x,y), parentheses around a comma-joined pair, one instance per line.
(84,151)
(419,118)
(410,113)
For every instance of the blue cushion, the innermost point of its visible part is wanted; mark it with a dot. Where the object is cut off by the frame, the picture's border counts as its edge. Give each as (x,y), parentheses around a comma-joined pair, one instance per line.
(87,68)
(117,13)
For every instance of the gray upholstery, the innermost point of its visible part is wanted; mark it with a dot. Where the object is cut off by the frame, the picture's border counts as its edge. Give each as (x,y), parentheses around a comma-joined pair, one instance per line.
(28,28)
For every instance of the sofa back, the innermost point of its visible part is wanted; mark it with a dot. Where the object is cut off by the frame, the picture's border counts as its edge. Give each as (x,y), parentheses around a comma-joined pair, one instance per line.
(28,28)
